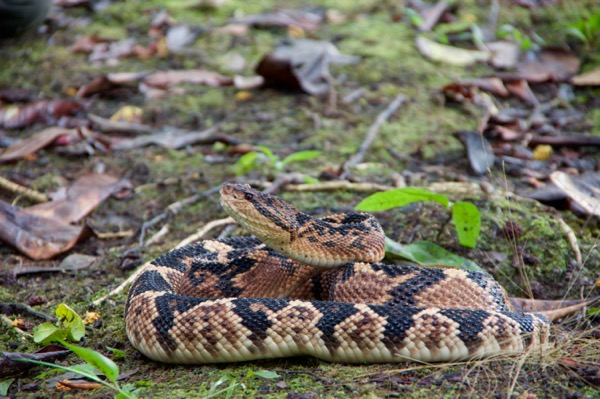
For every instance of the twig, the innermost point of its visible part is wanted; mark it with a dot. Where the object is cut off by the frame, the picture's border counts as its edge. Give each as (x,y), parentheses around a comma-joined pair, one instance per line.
(156,237)
(21,308)
(371,135)
(202,232)
(572,238)
(174,209)
(26,192)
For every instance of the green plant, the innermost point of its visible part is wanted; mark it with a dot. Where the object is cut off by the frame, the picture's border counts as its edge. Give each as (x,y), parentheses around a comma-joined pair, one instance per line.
(466,218)
(70,327)
(524,41)
(465,215)
(264,156)
(586,29)
(228,391)
(94,361)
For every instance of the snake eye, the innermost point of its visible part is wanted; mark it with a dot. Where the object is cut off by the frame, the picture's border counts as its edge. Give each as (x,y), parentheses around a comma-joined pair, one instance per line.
(249,196)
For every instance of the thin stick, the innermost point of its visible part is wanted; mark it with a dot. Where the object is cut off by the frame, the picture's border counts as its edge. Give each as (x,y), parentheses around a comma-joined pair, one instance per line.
(202,232)
(572,238)
(371,135)
(26,192)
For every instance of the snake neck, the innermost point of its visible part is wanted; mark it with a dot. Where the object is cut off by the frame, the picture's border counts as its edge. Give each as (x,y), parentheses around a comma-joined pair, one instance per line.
(328,242)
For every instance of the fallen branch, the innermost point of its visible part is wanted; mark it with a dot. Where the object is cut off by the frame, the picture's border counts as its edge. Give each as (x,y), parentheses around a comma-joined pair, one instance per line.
(26,192)
(106,125)
(371,135)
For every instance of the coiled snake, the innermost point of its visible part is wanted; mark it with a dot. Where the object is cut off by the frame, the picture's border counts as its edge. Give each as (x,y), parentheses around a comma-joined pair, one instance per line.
(314,287)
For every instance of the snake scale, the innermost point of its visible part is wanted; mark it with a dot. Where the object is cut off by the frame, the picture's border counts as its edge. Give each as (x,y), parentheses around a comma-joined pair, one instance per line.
(309,286)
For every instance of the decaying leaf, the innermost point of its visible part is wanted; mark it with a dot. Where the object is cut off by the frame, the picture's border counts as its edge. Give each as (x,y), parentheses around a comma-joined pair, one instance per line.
(78,200)
(520,89)
(48,111)
(552,309)
(37,237)
(306,20)
(33,144)
(302,64)
(582,192)
(505,54)
(449,54)
(492,85)
(165,79)
(170,137)
(591,78)
(479,151)
(550,65)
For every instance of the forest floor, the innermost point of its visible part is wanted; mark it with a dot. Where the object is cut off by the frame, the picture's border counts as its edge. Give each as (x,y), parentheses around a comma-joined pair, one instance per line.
(524,244)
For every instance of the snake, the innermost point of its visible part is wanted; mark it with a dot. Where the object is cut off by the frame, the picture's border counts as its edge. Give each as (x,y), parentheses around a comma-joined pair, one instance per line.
(307,286)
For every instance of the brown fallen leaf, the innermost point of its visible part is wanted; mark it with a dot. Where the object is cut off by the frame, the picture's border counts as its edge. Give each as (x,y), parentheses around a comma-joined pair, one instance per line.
(301,64)
(520,89)
(591,78)
(48,111)
(37,237)
(492,85)
(165,79)
(34,143)
(87,44)
(67,385)
(78,200)
(553,309)
(550,65)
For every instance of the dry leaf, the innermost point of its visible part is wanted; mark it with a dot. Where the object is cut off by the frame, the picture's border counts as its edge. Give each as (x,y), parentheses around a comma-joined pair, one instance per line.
(505,55)
(14,117)
(583,193)
(306,20)
(479,151)
(591,78)
(170,137)
(37,237)
(520,88)
(85,194)
(450,55)
(165,79)
(551,64)
(34,143)
(552,309)
(301,64)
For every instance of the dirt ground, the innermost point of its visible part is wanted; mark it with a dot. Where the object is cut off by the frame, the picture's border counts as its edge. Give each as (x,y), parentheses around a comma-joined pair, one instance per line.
(416,147)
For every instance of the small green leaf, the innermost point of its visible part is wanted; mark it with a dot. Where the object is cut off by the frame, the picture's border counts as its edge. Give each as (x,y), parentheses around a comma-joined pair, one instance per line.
(428,254)
(118,354)
(96,359)
(48,332)
(246,163)
(5,385)
(267,151)
(593,311)
(264,374)
(576,32)
(72,321)
(300,156)
(467,220)
(384,200)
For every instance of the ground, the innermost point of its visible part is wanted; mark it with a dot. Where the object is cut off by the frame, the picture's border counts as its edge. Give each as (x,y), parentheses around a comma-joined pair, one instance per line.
(539,262)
